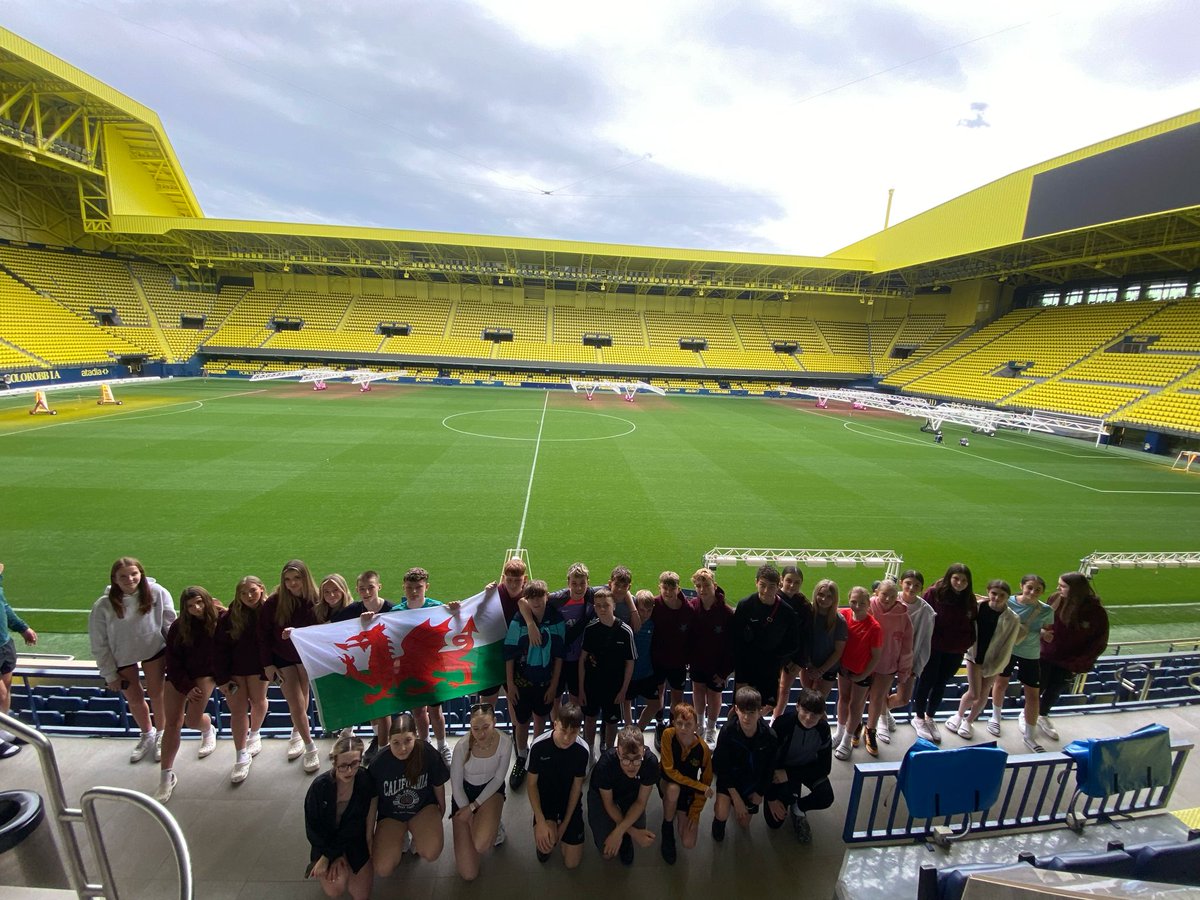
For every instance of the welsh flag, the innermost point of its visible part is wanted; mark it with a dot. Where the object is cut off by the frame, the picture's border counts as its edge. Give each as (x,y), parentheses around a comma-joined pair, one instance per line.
(402,659)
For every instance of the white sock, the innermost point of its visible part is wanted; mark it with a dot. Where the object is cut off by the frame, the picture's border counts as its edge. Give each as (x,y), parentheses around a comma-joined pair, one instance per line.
(243,756)
(166,775)
(310,746)
(253,733)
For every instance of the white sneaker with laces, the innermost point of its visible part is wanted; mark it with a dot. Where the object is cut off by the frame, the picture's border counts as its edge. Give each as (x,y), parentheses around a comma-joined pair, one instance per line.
(922,730)
(1047,728)
(165,788)
(295,747)
(312,760)
(935,734)
(208,742)
(144,745)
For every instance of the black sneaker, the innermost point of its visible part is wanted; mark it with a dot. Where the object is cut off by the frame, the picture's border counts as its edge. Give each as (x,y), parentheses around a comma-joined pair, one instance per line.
(718,830)
(542,857)
(625,854)
(669,852)
(516,777)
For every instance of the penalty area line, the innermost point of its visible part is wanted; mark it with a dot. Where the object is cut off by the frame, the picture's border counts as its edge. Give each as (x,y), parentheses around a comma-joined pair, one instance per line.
(537,446)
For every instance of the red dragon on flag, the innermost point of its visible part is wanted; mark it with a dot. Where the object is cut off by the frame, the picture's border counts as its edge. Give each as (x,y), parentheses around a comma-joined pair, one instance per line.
(424,659)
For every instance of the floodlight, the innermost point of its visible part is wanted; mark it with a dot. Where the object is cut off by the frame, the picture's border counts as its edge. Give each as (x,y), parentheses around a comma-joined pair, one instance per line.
(787,560)
(845,562)
(875,561)
(756,560)
(816,562)
(1102,564)
(1125,563)
(725,560)
(1170,564)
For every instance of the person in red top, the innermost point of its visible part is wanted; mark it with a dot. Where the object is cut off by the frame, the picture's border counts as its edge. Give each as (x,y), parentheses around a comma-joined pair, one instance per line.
(864,645)
(669,647)
(191,668)
(711,651)
(240,672)
(1073,643)
(292,605)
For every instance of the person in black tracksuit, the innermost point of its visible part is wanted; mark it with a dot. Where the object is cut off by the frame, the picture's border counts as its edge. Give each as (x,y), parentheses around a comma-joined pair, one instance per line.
(765,637)
(803,760)
(744,762)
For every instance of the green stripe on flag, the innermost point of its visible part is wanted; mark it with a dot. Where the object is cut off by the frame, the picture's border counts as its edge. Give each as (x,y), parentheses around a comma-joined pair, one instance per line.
(341,700)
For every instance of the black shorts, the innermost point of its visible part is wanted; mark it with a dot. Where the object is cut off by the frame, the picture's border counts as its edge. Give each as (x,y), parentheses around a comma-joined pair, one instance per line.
(767,690)
(676,678)
(1029,670)
(864,682)
(280,663)
(531,701)
(711,681)
(472,791)
(603,709)
(568,682)
(647,688)
(573,833)
(161,653)
(8,657)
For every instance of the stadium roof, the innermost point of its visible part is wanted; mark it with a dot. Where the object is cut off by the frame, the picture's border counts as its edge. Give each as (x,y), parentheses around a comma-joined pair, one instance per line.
(107,179)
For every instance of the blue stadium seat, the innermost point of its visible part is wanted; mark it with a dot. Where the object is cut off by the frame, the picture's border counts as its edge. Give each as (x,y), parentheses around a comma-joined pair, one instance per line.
(65,705)
(1172,863)
(95,719)
(107,703)
(49,719)
(85,691)
(1111,864)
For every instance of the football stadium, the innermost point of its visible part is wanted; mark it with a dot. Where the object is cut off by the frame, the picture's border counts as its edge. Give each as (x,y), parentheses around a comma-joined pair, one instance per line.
(1009,380)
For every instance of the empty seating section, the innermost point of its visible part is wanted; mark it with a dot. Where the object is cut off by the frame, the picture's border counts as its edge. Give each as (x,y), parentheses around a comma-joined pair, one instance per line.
(665,330)
(80,283)
(1149,368)
(570,325)
(248,323)
(1178,326)
(749,359)
(1074,398)
(12,358)
(51,332)
(527,323)
(650,356)
(169,304)
(533,351)
(1171,409)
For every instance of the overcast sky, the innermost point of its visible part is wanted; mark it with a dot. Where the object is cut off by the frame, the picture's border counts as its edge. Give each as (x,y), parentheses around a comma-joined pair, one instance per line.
(768,126)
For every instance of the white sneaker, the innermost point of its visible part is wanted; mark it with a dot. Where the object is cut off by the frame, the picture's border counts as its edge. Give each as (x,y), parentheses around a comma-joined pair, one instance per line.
(965,731)
(844,748)
(312,760)
(883,733)
(208,742)
(889,719)
(710,736)
(934,734)
(1047,728)
(158,747)
(165,788)
(921,728)
(254,744)
(144,745)
(295,747)
(241,769)
(953,723)
(446,755)
(500,835)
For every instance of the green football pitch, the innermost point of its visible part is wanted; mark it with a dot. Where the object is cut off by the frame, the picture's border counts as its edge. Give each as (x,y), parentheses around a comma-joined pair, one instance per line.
(209,480)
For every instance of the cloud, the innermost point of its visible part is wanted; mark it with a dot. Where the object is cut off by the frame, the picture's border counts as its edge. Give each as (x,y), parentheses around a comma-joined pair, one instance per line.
(976,121)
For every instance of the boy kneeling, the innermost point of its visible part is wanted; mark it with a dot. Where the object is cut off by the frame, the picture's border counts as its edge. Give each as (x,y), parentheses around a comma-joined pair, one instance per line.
(617,795)
(744,762)
(558,762)
(803,760)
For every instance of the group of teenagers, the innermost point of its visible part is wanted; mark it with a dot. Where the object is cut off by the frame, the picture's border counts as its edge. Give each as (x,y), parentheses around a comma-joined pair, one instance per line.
(577,660)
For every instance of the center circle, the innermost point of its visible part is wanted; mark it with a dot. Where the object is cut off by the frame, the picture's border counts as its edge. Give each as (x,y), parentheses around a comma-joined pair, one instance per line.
(522,425)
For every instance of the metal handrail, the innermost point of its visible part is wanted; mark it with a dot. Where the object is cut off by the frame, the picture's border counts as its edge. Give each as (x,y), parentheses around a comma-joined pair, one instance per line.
(63,818)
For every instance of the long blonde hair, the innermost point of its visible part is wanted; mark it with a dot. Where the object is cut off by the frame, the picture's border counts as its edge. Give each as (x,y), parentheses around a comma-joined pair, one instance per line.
(286,609)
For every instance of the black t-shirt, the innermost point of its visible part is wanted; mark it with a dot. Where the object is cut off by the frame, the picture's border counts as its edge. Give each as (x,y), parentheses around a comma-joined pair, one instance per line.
(556,770)
(609,776)
(398,797)
(356,609)
(608,647)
